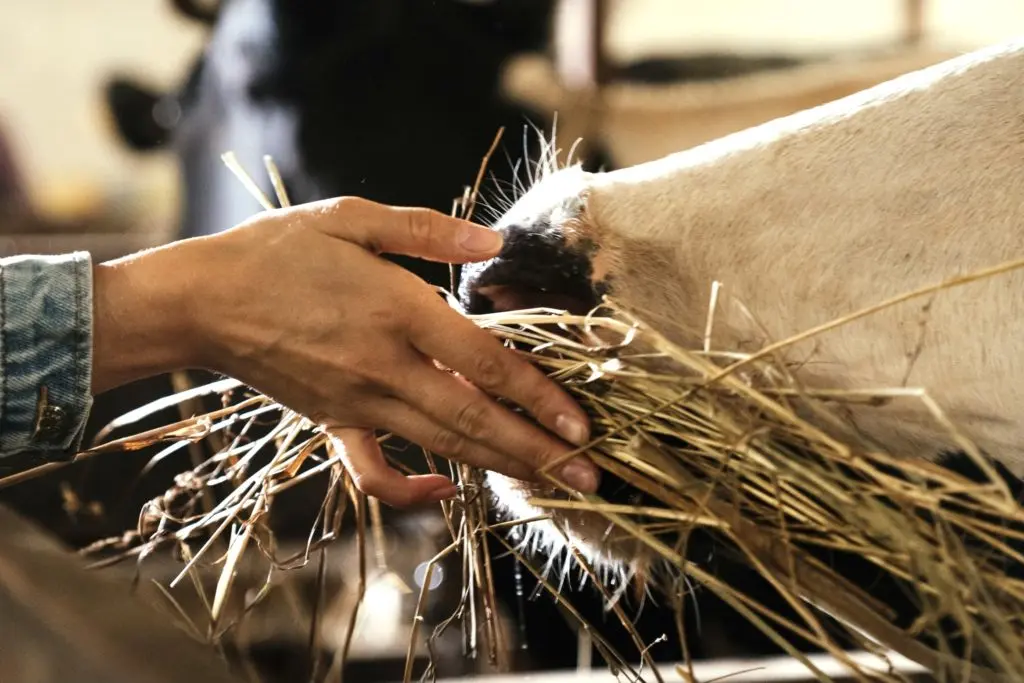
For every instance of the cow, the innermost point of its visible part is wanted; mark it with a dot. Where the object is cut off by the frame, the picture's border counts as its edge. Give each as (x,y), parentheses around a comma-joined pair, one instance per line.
(801,220)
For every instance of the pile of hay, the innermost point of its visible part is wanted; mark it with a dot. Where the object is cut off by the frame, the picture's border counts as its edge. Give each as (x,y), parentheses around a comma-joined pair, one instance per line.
(718,442)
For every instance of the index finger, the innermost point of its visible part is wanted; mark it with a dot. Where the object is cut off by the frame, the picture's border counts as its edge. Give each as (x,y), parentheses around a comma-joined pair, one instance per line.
(407,231)
(477,355)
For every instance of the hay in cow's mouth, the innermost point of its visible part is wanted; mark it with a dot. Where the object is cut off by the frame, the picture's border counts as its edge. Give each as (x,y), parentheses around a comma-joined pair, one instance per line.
(717,444)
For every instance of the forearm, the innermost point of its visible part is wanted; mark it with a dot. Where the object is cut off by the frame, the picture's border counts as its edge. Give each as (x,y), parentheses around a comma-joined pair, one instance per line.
(70,329)
(143,313)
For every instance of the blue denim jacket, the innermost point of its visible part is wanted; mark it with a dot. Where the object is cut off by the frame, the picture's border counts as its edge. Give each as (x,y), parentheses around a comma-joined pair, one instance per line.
(45,356)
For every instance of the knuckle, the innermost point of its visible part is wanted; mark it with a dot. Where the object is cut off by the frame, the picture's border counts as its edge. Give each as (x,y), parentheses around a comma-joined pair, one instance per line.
(342,208)
(534,460)
(373,244)
(354,207)
(419,223)
(343,204)
(448,443)
(472,419)
(545,452)
(360,383)
(391,319)
(541,399)
(372,374)
(522,471)
(491,372)
(370,484)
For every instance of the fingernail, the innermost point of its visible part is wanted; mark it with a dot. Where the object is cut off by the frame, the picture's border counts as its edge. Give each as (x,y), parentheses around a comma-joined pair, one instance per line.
(581,475)
(479,239)
(571,429)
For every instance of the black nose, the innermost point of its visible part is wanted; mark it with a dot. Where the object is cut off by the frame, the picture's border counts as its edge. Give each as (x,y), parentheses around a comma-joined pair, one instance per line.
(536,267)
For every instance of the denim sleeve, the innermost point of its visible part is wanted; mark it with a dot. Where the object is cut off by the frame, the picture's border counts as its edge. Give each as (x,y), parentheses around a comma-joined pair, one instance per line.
(45,356)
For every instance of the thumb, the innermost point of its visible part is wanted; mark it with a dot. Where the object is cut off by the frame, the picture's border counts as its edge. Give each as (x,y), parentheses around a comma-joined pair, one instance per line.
(421,233)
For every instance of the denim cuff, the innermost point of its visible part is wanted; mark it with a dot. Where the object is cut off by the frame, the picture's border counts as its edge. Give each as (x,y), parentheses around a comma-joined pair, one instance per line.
(45,355)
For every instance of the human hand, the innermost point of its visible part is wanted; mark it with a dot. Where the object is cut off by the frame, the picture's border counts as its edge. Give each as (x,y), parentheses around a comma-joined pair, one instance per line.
(297,304)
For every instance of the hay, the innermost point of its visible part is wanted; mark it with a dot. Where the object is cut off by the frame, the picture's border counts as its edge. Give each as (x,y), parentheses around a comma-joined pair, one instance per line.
(716,441)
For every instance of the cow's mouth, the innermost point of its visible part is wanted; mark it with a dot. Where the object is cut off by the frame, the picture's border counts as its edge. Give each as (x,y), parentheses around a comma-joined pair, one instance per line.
(533,270)
(503,287)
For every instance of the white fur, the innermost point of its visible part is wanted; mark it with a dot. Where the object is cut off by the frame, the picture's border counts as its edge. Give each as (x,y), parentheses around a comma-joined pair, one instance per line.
(820,214)
(544,538)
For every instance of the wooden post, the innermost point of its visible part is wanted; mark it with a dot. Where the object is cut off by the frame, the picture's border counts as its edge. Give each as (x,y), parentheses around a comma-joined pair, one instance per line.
(913,22)
(581,65)
(579,39)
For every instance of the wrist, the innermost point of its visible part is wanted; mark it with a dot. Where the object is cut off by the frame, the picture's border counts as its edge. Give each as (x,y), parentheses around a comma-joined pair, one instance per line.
(145,320)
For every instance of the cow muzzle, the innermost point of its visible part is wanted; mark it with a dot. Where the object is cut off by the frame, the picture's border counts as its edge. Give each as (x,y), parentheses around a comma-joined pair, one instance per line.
(535,268)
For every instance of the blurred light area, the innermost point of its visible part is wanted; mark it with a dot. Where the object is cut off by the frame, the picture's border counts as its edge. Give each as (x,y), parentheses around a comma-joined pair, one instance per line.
(436,576)
(381,623)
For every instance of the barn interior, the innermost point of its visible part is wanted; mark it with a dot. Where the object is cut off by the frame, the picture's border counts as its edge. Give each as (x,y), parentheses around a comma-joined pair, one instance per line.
(113,120)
